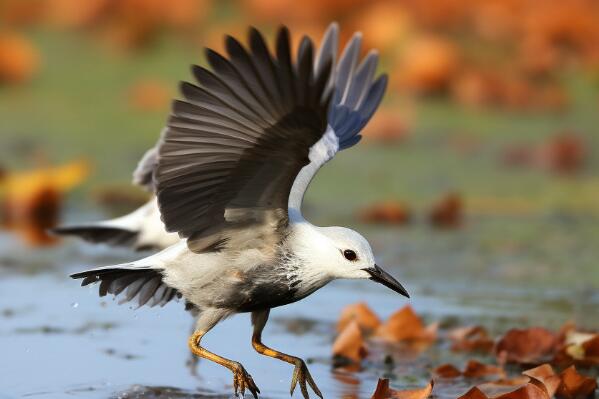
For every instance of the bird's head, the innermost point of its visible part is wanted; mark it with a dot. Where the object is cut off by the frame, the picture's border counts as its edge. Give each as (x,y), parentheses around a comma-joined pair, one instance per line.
(344,253)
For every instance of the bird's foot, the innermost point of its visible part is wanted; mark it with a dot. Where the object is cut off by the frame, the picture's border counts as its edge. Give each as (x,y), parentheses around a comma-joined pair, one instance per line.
(302,375)
(242,380)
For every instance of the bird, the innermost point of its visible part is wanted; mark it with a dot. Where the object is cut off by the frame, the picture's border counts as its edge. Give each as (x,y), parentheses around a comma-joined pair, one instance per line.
(233,163)
(141,229)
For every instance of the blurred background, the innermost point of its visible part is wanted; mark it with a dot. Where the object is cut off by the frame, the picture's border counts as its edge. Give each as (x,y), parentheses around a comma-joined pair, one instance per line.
(477,180)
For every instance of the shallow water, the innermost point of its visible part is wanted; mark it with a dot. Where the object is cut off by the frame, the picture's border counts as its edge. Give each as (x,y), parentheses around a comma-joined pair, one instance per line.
(61,340)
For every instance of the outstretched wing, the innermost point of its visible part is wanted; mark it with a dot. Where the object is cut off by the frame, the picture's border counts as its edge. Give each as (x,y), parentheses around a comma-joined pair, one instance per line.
(234,146)
(356,96)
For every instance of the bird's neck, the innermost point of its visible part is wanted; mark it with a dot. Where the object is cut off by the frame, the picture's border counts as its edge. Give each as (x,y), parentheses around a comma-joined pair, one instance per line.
(303,258)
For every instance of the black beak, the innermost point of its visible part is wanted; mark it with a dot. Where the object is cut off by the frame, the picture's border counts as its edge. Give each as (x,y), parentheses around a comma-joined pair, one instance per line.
(380,276)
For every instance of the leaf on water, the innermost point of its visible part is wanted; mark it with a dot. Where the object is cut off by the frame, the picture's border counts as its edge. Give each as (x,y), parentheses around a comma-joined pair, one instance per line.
(362,314)
(350,343)
(528,391)
(575,386)
(384,392)
(533,345)
(544,377)
(389,212)
(405,325)
(447,371)
(470,339)
(447,212)
(475,369)
(474,393)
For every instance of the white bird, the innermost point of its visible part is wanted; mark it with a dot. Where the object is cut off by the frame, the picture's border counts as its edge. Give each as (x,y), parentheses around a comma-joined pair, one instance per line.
(233,164)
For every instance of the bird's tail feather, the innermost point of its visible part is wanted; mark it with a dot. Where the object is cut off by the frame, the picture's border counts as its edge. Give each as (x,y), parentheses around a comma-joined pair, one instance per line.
(130,281)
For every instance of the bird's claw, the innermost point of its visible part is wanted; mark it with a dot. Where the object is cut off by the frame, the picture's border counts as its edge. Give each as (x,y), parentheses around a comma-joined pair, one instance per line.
(302,375)
(242,380)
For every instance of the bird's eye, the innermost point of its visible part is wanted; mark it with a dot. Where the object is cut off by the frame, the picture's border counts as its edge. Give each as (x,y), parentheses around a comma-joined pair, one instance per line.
(350,255)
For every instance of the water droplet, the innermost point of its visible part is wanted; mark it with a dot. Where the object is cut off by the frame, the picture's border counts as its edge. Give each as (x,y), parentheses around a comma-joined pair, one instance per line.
(75,305)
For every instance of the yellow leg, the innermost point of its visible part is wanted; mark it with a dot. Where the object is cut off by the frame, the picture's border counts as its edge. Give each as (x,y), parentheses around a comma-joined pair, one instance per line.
(241,378)
(300,373)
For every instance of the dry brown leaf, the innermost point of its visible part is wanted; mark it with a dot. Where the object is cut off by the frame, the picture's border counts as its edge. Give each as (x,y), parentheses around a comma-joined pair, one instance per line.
(544,376)
(564,153)
(528,391)
(447,212)
(526,346)
(503,385)
(447,371)
(471,338)
(406,325)
(391,212)
(362,314)
(350,343)
(474,393)
(475,369)
(384,392)
(575,385)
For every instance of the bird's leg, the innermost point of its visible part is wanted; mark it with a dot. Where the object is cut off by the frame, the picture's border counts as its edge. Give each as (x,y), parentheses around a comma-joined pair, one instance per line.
(300,374)
(241,378)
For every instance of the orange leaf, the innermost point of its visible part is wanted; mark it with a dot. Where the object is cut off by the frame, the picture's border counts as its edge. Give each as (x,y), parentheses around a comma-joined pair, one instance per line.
(419,393)
(476,369)
(447,371)
(19,59)
(405,325)
(474,393)
(392,212)
(528,391)
(575,385)
(447,212)
(350,343)
(526,346)
(544,377)
(384,392)
(471,338)
(362,314)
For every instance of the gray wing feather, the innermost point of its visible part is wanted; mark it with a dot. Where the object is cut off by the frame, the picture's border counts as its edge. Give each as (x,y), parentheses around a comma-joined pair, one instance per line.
(357,94)
(234,145)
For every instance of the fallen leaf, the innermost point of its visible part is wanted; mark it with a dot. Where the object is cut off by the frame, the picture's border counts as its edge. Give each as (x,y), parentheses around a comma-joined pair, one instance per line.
(447,212)
(391,212)
(19,59)
(350,343)
(564,153)
(474,393)
(471,338)
(405,325)
(428,64)
(32,199)
(575,385)
(503,385)
(362,314)
(384,392)
(447,371)
(475,369)
(528,391)
(526,346)
(544,376)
